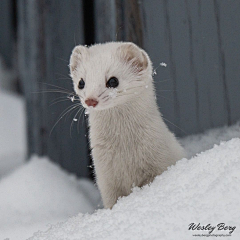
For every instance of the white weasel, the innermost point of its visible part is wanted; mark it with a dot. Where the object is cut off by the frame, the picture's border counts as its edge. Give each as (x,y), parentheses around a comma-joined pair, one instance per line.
(129,140)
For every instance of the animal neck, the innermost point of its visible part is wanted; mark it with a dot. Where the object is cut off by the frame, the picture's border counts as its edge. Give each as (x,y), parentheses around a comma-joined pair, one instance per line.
(141,111)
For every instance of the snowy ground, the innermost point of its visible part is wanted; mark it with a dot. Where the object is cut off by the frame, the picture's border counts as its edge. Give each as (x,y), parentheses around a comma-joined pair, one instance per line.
(202,142)
(12,132)
(204,190)
(38,195)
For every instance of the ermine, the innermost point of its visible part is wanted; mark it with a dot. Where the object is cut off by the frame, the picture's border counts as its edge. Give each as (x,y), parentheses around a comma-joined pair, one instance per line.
(129,140)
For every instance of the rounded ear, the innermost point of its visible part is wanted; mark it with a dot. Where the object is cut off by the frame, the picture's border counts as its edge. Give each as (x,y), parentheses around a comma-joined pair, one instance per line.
(77,56)
(133,55)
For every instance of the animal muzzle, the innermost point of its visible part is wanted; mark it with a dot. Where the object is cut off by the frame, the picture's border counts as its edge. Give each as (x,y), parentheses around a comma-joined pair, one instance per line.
(91,102)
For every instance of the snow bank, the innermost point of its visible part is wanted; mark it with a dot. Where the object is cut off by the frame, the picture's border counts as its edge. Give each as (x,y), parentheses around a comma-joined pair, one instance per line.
(201,142)
(204,189)
(7,77)
(12,132)
(40,193)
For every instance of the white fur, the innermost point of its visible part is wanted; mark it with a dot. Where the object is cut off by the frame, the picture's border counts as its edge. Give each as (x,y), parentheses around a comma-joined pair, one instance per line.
(130,142)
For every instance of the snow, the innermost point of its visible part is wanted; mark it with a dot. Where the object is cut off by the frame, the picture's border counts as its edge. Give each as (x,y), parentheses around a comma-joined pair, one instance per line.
(113,93)
(7,76)
(201,142)
(72,98)
(40,196)
(12,124)
(86,112)
(204,190)
(12,132)
(162,64)
(39,193)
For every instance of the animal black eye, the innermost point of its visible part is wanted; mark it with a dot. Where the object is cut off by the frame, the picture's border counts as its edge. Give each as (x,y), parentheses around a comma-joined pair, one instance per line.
(81,84)
(112,82)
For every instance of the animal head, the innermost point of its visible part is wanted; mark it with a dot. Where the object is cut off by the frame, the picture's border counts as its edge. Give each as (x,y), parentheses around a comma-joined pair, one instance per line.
(106,75)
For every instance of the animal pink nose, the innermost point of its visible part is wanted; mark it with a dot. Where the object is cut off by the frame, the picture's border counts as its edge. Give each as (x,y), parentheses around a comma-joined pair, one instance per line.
(91,102)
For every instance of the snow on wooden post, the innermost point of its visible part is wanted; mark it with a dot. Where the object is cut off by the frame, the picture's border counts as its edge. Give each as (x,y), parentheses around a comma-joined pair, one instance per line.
(48,31)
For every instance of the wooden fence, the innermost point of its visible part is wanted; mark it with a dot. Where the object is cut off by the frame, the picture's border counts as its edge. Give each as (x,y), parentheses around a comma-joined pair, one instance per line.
(199,40)
(48,31)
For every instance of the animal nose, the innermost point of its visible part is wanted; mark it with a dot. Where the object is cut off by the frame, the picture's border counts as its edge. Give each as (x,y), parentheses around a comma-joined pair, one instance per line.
(91,102)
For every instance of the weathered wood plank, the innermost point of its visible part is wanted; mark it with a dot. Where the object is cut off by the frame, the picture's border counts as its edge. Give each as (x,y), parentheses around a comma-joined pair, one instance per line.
(105,20)
(210,63)
(7,31)
(157,41)
(229,31)
(199,42)
(48,31)
(133,22)
(118,20)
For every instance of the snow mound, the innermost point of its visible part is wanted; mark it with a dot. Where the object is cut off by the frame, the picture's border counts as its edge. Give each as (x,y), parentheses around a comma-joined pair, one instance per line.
(41,192)
(12,132)
(204,189)
(7,77)
(204,141)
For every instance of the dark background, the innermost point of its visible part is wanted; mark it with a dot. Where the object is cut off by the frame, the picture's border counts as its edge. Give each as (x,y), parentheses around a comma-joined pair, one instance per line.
(199,40)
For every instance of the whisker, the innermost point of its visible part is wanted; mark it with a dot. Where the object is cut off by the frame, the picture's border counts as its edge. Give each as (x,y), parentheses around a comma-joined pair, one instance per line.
(117,33)
(63,100)
(72,98)
(63,114)
(74,120)
(125,95)
(52,85)
(75,40)
(102,92)
(65,78)
(174,125)
(79,118)
(55,91)
(165,80)
(126,89)
(76,104)
(154,70)
(79,103)
(62,75)
(139,80)
(68,115)
(106,99)
(84,116)
(63,59)
(58,99)
(165,97)
(167,90)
